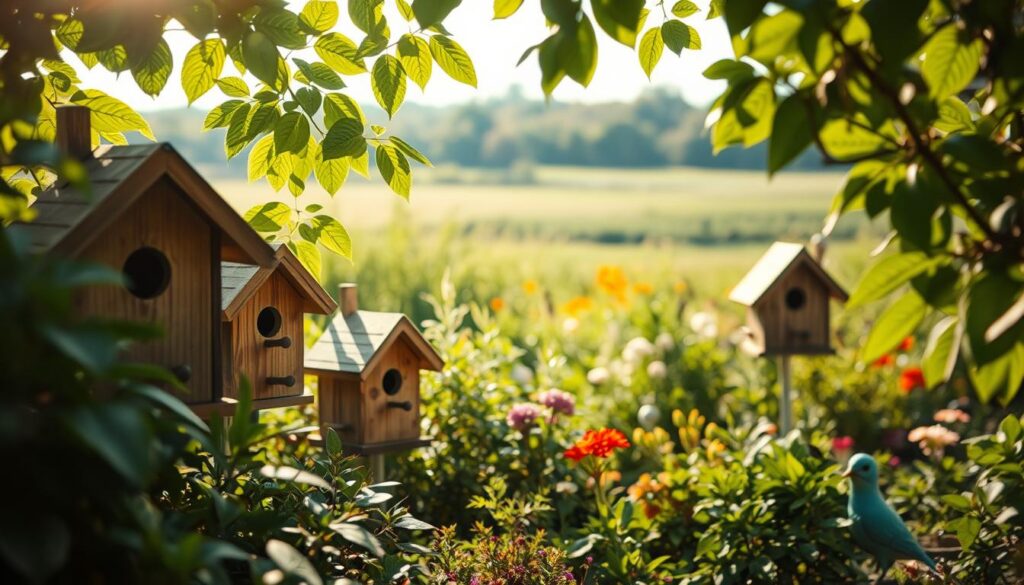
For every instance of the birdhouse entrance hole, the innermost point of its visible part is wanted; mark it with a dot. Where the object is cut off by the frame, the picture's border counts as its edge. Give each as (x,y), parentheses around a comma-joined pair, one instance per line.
(796,298)
(392,382)
(148,272)
(268,322)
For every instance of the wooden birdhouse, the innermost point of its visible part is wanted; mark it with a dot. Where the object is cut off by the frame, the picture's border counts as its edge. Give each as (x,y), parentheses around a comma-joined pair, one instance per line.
(368,369)
(262,337)
(150,215)
(787,297)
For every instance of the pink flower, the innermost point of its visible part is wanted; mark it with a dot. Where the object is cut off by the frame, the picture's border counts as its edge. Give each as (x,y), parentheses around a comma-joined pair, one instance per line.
(933,440)
(894,461)
(521,416)
(952,415)
(843,443)
(558,401)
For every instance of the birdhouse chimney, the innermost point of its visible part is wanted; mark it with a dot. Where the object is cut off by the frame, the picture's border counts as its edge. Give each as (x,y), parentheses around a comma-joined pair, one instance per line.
(74,134)
(348,299)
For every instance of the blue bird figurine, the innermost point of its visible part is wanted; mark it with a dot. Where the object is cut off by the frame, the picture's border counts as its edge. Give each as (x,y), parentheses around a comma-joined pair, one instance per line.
(876,527)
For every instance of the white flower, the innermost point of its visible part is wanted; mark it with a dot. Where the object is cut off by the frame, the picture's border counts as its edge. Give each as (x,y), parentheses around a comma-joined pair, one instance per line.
(522,374)
(570,325)
(598,375)
(648,416)
(657,369)
(637,349)
(704,324)
(665,341)
(566,487)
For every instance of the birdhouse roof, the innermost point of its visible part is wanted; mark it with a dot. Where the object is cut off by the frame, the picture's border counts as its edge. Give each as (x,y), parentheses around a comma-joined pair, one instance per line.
(68,219)
(354,343)
(778,261)
(240,281)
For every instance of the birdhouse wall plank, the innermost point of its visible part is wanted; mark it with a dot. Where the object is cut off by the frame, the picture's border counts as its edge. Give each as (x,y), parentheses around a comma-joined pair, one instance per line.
(341,407)
(794,314)
(385,421)
(163,220)
(250,356)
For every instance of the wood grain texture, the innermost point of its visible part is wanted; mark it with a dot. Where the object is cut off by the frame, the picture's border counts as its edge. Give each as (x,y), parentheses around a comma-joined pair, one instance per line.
(801,331)
(382,423)
(164,219)
(250,358)
(339,400)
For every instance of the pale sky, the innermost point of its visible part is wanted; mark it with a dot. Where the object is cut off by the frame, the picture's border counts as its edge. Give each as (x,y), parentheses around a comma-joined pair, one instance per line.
(495,47)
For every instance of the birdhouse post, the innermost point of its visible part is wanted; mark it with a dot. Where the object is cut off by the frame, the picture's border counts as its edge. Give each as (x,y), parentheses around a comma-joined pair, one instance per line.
(787,294)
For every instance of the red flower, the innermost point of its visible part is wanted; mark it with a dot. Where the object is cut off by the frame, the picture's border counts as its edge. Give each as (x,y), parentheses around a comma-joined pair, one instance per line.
(885,360)
(907,344)
(912,378)
(599,443)
(842,443)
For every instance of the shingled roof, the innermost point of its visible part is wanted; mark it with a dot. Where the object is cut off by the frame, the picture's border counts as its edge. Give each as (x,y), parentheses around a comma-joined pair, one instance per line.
(777,261)
(68,219)
(240,281)
(352,343)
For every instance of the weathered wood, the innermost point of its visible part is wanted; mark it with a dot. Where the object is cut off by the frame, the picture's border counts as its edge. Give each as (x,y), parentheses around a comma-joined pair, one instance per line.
(74,134)
(348,298)
(163,220)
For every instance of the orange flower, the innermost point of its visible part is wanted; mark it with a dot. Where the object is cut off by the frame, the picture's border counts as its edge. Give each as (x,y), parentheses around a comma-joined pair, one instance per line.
(600,444)
(497,304)
(577,305)
(643,288)
(885,360)
(680,287)
(613,281)
(907,344)
(530,286)
(911,378)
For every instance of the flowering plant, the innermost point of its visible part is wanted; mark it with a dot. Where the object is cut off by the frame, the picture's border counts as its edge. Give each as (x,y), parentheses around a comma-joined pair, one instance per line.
(591,452)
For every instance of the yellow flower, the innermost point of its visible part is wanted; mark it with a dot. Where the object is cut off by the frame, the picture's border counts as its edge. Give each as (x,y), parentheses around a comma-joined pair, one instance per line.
(613,281)
(643,288)
(530,286)
(578,305)
(680,287)
(497,304)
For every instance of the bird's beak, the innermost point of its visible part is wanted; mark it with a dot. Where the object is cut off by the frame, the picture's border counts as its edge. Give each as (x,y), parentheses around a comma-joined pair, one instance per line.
(847,474)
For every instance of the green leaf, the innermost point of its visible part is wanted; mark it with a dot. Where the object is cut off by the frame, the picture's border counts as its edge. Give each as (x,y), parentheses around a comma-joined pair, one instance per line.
(729,69)
(333,443)
(954,116)
(619,18)
(261,157)
(309,99)
(410,523)
(340,54)
(791,133)
(292,562)
(887,275)
(453,60)
(291,133)
(1011,427)
(109,114)
(308,254)
(991,296)
(414,53)
(843,140)
(740,15)
(201,68)
(409,151)
(506,8)
(388,83)
(152,72)
(684,8)
(940,353)
(394,168)
(319,16)
(358,535)
(949,62)
(333,235)
(895,324)
(957,502)
(119,435)
(967,529)
(361,164)
(774,35)
(33,543)
(293,475)
(281,27)
(430,12)
(651,47)
(331,174)
(405,10)
(233,86)
(320,74)
(220,116)
(261,57)
(114,59)
(1000,377)
(339,105)
(269,217)
(344,138)
(679,36)
(578,53)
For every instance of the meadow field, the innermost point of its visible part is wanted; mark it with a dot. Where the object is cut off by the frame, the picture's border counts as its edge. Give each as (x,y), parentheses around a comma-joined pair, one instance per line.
(557,225)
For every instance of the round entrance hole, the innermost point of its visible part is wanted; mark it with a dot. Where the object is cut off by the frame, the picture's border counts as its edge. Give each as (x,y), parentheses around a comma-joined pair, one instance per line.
(148,272)
(796,298)
(392,382)
(268,322)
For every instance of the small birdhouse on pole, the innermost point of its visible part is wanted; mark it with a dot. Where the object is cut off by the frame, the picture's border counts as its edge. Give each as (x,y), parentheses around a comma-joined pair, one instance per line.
(787,295)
